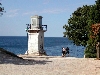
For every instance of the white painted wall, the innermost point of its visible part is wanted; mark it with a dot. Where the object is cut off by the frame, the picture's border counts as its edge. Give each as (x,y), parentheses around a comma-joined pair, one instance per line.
(35,42)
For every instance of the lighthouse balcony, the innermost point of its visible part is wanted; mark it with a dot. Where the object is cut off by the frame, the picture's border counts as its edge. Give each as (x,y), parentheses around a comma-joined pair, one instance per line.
(43,27)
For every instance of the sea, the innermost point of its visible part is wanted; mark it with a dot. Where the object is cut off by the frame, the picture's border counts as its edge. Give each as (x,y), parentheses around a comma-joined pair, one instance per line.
(52,45)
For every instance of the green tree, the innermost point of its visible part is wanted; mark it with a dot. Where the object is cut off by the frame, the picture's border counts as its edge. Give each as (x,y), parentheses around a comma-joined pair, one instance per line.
(76,29)
(94,15)
(79,27)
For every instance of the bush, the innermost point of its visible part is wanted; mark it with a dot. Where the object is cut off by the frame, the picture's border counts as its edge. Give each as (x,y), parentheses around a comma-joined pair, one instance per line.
(90,52)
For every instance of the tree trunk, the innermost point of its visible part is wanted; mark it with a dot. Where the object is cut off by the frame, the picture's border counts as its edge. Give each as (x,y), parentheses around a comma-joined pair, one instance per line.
(98,50)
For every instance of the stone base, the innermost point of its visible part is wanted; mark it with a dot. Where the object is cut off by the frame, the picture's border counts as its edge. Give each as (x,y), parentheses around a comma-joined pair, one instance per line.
(43,53)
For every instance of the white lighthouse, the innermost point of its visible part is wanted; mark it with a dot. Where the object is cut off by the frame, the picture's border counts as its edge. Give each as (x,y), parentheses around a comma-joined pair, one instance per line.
(35,35)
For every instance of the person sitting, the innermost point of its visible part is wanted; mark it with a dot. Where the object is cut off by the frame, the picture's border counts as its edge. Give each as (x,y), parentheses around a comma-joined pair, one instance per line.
(63,52)
(67,51)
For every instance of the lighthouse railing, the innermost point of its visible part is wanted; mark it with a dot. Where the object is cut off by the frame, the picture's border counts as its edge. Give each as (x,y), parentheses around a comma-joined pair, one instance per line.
(44,27)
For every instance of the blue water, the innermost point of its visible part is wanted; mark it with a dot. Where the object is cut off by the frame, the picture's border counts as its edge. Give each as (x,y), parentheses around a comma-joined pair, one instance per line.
(52,45)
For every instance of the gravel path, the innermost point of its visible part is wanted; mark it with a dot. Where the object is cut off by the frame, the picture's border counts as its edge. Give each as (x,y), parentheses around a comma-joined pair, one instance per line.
(49,65)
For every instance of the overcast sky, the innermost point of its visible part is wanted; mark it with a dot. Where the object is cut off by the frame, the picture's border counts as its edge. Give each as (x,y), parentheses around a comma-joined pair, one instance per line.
(55,14)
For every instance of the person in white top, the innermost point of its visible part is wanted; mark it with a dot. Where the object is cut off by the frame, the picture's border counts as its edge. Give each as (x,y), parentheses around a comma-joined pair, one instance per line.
(63,52)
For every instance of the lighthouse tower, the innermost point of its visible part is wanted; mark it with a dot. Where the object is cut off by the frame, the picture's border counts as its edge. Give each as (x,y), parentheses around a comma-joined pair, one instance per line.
(35,33)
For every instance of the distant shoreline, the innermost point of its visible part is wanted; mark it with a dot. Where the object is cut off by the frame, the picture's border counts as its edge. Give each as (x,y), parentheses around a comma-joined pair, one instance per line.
(26,36)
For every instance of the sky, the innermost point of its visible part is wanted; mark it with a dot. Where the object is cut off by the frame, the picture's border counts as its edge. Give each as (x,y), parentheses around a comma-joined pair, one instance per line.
(55,15)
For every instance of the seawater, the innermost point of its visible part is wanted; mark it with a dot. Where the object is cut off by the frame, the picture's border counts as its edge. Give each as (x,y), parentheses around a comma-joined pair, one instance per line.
(52,45)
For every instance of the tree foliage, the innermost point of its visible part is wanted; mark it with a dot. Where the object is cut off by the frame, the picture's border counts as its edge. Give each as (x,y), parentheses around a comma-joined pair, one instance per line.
(79,27)
(93,20)
(1,9)
(76,29)
(94,38)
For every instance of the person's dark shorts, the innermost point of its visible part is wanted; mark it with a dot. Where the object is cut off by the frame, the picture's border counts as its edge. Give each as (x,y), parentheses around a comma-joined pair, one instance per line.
(67,52)
(63,52)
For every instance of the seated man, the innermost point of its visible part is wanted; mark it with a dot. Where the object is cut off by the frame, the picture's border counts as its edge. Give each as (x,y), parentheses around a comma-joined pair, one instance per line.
(67,51)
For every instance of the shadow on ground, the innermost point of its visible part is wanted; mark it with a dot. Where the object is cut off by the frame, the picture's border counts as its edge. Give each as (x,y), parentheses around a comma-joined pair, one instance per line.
(7,57)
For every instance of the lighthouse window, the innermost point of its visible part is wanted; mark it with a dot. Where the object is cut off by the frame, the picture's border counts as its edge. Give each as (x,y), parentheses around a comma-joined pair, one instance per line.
(34,22)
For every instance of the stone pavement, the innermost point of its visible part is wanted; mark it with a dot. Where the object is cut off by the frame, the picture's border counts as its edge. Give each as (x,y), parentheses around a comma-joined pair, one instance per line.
(50,65)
